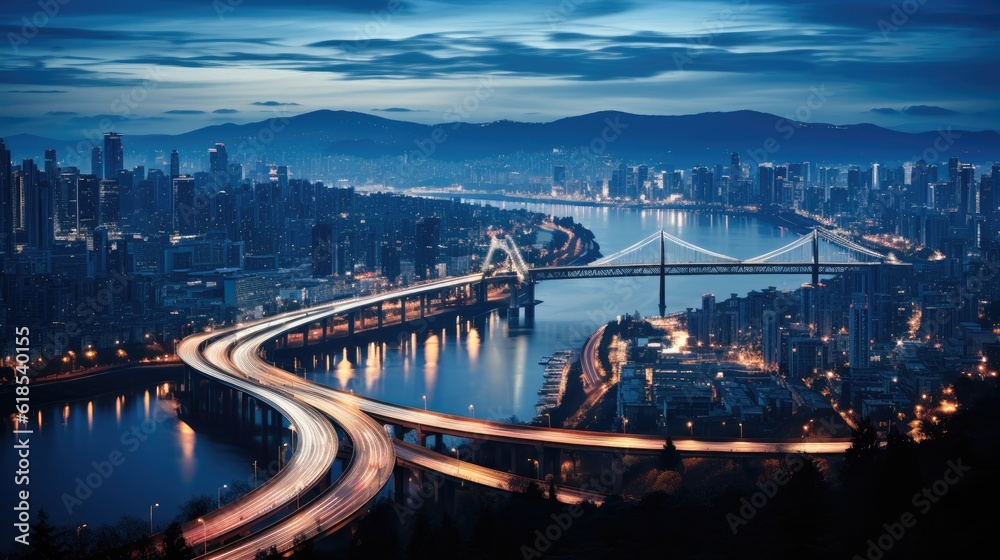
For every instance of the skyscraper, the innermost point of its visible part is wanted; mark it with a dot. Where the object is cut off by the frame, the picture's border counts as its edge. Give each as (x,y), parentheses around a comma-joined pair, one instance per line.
(175,165)
(96,165)
(6,201)
(769,339)
(218,164)
(114,156)
(428,237)
(859,329)
(322,250)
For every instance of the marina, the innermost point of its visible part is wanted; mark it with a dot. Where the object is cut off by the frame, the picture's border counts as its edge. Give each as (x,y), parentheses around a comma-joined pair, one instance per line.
(554,384)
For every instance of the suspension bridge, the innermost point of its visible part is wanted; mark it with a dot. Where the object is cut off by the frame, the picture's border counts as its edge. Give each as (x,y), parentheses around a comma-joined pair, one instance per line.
(819,252)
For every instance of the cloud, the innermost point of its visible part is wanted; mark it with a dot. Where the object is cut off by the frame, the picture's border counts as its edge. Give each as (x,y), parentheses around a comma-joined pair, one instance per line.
(184,112)
(36,91)
(61,113)
(401,110)
(927,111)
(225,111)
(885,111)
(272,104)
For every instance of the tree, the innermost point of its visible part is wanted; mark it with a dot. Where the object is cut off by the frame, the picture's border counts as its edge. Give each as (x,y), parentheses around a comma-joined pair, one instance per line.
(174,545)
(269,554)
(552,487)
(45,541)
(670,458)
(861,457)
(196,507)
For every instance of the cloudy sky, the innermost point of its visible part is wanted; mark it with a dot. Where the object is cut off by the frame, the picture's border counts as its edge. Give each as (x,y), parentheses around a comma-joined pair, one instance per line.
(170,66)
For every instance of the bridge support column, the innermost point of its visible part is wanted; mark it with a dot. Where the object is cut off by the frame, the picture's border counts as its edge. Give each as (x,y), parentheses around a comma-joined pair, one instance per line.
(513,311)
(399,484)
(423,305)
(815,259)
(350,323)
(381,315)
(529,309)
(540,450)
(482,292)
(402,310)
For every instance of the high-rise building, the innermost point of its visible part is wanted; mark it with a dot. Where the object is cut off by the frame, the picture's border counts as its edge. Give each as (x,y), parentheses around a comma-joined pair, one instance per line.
(859,331)
(322,250)
(766,183)
(88,203)
(51,167)
(175,165)
(735,171)
(184,206)
(67,203)
(346,252)
(769,338)
(218,165)
(114,155)
(7,239)
(806,356)
(96,162)
(427,238)
(390,262)
(109,213)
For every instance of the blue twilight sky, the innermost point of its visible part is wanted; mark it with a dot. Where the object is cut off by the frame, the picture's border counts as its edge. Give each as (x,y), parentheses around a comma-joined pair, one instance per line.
(170,66)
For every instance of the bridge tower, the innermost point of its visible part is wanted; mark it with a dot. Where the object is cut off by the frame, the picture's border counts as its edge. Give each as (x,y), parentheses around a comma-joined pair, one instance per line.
(520,282)
(815,257)
(663,276)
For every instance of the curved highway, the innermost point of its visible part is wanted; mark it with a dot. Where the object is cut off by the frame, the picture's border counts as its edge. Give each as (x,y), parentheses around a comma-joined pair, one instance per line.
(312,461)
(238,362)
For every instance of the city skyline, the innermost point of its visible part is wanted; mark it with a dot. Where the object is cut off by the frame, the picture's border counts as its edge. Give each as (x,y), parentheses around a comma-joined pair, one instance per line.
(193,64)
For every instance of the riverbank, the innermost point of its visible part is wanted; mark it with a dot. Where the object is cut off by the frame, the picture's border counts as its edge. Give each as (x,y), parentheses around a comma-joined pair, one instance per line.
(784,219)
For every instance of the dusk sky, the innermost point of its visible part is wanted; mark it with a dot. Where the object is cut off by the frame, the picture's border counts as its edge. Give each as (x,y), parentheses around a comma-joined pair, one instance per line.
(156,66)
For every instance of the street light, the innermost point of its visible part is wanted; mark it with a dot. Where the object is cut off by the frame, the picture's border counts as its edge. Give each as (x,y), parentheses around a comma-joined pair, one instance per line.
(220,494)
(472,410)
(458,471)
(151,517)
(292,428)
(205,536)
(425,402)
(255,474)
(535,461)
(741,430)
(691,427)
(281,453)
(549,416)
(78,529)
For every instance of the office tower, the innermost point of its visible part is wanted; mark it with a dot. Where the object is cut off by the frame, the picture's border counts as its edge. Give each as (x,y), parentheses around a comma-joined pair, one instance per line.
(6,201)
(390,262)
(175,165)
(427,238)
(88,203)
(184,210)
(51,166)
(67,203)
(968,194)
(954,170)
(702,185)
(769,339)
(620,186)
(109,209)
(36,208)
(322,250)
(853,184)
(642,176)
(96,162)
(859,331)
(218,165)
(735,171)
(114,157)
(766,183)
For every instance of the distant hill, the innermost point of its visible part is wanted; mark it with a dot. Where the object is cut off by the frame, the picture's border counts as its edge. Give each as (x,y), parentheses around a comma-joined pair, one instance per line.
(686,140)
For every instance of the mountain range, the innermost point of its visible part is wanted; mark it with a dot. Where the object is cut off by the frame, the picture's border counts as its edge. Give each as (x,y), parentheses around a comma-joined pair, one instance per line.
(686,140)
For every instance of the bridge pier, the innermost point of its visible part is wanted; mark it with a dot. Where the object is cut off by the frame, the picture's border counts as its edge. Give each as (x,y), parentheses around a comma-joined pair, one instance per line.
(529,306)
(350,323)
(402,310)
(513,310)
(381,314)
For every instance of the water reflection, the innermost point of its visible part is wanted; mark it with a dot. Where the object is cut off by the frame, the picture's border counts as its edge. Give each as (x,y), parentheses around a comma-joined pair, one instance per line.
(90,416)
